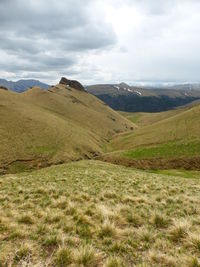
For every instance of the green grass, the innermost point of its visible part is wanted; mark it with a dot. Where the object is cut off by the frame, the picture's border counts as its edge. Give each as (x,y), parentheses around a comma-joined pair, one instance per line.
(166,136)
(91,213)
(168,150)
(179,173)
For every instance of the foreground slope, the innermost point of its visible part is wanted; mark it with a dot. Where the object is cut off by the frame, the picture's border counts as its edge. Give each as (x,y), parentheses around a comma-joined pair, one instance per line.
(41,127)
(91,213)
(174,140)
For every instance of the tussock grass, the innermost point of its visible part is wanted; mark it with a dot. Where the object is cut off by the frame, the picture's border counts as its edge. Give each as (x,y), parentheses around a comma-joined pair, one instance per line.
(91,213)
(63,257)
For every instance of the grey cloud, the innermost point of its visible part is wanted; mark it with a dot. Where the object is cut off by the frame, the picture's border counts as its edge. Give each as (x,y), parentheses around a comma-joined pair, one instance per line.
(42,35)
(46,39)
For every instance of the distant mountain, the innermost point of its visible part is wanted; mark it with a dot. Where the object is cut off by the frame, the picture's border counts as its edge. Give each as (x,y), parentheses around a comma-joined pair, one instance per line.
(22,85)
(186,86)
(140,99)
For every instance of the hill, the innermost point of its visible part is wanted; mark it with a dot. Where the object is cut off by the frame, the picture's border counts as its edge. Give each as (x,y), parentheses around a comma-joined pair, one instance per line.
(90,213)
(140,99)
(22,85)
(42,127)
(141,119)
(165,140)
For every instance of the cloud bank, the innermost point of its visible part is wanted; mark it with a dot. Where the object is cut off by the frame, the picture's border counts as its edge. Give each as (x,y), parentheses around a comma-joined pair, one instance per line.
(100,41)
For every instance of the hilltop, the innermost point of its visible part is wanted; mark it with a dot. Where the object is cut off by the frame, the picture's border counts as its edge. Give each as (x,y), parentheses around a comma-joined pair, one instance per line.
(141,99)
(43,127)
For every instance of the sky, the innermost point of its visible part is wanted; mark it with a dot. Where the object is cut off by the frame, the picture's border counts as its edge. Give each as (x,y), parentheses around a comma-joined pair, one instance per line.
(100,41)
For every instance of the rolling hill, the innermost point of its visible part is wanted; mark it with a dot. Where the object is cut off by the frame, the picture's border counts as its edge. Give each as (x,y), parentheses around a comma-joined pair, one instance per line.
(140,99)
(42,127)
(164,140)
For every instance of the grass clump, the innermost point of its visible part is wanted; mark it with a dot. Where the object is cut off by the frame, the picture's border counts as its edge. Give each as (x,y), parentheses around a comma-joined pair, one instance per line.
(194,242)
(23,253)
(114,262)
(50,240)
(108,229)
(63,257)
(159,221)
(178,231)
(26,219)
(86,256)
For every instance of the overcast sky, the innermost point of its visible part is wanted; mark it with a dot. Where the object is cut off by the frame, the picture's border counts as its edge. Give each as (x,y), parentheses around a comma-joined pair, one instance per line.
(100,41)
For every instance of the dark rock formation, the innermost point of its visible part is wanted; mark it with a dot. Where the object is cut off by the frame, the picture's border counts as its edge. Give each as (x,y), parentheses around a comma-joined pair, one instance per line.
(72,83)
(3,88)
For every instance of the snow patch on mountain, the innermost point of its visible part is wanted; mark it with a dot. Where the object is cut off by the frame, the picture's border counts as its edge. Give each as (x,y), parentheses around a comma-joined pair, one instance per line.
(137,92)
(117,87)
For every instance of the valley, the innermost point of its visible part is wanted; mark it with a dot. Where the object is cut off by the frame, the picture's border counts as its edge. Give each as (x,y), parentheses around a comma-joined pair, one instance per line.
(84,185)
(99,133)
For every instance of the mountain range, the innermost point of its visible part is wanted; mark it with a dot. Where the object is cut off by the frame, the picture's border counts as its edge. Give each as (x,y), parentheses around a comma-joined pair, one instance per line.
(141,99)
(124,97)
(22,85)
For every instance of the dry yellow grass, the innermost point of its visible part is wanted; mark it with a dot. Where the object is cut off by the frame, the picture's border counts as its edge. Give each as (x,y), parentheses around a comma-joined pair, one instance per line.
(40,127)
(142,119)
(184,126)
(91,213)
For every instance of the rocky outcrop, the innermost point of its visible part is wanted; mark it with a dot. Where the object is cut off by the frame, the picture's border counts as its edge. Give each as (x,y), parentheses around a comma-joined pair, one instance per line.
(3,88)
(72,83)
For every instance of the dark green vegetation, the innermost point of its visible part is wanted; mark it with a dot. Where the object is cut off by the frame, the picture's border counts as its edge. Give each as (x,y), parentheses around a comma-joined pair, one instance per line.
(91,213)
(43,127)
(138,99)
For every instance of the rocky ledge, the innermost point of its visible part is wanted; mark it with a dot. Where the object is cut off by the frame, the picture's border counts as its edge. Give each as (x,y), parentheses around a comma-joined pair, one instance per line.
(72,83)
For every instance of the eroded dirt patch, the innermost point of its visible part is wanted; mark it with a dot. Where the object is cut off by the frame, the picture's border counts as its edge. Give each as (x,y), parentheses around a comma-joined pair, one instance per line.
(155,163)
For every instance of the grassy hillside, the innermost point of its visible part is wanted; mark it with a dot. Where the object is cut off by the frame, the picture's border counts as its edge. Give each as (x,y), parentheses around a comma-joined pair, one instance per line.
(98,214)
(41,127)
(145,118)
(166,136)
